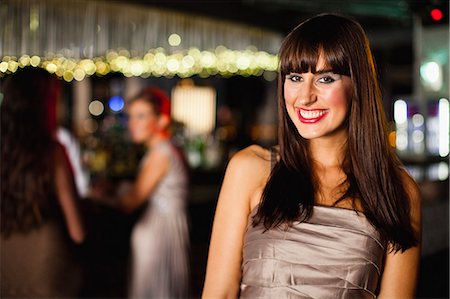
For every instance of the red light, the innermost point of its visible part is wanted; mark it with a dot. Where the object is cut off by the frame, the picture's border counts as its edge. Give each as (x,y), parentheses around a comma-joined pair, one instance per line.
(436,14)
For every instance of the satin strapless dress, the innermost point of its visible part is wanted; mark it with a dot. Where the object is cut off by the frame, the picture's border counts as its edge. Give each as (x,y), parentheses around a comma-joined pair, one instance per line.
(337,253)
(160,237)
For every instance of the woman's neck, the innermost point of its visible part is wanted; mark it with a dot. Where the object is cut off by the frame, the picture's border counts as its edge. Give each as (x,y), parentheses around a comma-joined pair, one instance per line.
(157,139)
(328,156)
(328,152)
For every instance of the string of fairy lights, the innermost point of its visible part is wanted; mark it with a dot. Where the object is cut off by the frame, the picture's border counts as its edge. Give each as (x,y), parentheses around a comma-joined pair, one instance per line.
(102,37)
(156,62)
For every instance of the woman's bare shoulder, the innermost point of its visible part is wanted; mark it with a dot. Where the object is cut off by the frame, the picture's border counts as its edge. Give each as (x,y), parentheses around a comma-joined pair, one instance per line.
(245,177)
(250,168)
(253,158)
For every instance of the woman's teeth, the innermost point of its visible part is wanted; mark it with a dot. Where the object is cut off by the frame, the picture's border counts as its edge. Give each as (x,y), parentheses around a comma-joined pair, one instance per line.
(312,113)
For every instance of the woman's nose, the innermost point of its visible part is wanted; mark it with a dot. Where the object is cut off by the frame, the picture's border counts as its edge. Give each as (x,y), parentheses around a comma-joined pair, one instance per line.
(307,94)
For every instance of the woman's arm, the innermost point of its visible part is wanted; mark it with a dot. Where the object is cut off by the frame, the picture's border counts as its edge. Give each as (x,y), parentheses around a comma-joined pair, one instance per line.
(152,171)
(246,174)
(401,269)
(67,195)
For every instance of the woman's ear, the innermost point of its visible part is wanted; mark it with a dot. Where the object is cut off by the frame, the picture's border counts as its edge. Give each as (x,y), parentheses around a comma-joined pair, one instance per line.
(163,122)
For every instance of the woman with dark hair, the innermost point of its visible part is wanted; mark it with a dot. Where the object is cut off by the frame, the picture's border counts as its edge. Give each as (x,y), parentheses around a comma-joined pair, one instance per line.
(160,238)
(331,212)
(39,212)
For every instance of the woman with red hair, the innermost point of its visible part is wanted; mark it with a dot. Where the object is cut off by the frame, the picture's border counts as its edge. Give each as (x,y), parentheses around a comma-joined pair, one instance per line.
(159,239)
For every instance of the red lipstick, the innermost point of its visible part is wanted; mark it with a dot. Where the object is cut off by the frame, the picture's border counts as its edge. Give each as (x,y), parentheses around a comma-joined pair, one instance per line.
(311,116)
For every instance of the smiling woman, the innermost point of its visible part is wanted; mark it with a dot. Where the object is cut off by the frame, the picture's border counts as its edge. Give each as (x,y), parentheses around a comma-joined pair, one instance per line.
(330,212)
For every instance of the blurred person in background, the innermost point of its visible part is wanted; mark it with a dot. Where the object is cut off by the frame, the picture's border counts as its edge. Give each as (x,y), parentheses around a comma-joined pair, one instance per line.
(71,143)
(40,217)
(330,212)
(73,150)
(160,237)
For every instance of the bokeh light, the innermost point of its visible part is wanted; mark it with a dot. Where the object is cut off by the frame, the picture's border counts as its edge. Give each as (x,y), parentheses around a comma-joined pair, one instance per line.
(96,108)
(156,62)
(436,14)
(116,103)
(174,40)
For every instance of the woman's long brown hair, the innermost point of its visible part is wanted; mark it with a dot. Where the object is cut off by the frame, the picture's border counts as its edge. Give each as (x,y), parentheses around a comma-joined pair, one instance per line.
(372,168)
(28,123)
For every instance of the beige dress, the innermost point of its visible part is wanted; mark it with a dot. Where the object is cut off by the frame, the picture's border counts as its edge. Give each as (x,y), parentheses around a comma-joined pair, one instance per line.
(160,238)
(337,253)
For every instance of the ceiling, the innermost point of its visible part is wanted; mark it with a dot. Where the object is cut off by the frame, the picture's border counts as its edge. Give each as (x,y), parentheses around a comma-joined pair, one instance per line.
(389,23)
(283,15)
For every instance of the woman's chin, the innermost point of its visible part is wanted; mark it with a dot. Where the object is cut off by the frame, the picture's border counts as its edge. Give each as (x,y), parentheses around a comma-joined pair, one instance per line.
(309,134)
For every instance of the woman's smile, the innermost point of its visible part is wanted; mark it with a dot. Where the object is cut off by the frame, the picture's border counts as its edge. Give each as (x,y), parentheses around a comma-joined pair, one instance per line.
(311,116)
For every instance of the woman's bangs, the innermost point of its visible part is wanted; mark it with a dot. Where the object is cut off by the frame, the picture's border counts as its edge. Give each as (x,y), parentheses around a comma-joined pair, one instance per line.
(302,57)
(335,59)
(299,57)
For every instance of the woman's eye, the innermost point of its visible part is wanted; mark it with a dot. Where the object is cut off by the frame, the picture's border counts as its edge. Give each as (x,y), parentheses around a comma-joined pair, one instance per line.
(327,79)
(293,78)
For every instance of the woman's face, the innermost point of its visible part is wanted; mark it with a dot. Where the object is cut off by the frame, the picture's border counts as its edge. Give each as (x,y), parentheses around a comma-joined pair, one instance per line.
(142,121)
(318,103)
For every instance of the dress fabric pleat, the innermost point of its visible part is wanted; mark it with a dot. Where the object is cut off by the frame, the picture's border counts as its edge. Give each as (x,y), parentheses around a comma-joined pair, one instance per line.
(336,253)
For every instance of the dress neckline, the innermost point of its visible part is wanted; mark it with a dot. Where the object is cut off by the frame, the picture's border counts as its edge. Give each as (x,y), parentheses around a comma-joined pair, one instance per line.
(330,214)
(319,207)
(337,208)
